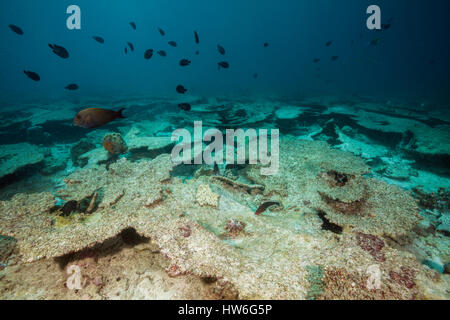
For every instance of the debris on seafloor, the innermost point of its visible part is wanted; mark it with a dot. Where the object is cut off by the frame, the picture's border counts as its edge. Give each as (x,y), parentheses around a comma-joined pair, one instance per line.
(251,189)
(234,228)
(206,197)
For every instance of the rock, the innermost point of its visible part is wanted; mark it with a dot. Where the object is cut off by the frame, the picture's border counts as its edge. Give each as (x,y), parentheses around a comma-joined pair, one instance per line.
(114,144)
(14,157)
(444,225)
(288,112)
(94,157)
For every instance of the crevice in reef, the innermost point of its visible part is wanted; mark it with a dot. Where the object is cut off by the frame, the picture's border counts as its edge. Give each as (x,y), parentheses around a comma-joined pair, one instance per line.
(349,208)
(21,174)
(327,225)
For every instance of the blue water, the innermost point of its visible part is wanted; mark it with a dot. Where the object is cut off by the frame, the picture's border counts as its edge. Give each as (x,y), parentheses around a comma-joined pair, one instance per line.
(296,30)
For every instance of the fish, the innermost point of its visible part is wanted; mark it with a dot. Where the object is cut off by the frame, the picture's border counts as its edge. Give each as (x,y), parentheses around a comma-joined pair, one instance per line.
(385,26)
(16,29)
(133,25)
(184,62)
(223,64)
(96,117)
(126,50)
(161,31)
(172,43)
(374,42)
(197,52)
(334,58)
(162,53)
(266,44)
(184,106)
(316,60)
(197,40)
(72,86)
(148,54)
(221,49)
(255,75)
(181,89)
(131,46)
(59,51)
(329,43)
(263,207)
(98,39)
(216,169)
(32,75)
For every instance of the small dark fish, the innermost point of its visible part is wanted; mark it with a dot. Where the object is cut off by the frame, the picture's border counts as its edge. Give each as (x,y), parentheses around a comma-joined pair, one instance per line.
(126,50)
(432,61)
(98,39)
(266,44)
(220,49)
(59,51)
(385,26)
(375,42)
(255,75)
(161,31)
(96,117)
(172,43)
(184,106)
(197,52)
(316,60)
(184,62)
(72,86)
(148,54)
(133,25)
(131,46)
(263,207)
(197,40)
(162,53)
(16,29)
(334,58)
(32,75)
(224,65)
(329,43)
(216,169)
(181,89)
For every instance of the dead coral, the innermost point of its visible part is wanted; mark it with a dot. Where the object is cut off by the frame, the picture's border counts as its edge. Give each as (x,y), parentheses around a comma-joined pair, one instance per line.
(371,244)
(404,277)
(206,197)
(432,201)
(350,208)
(337,179)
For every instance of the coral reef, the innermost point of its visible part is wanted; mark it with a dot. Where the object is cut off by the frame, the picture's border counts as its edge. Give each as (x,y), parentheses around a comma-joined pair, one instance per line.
(186,221)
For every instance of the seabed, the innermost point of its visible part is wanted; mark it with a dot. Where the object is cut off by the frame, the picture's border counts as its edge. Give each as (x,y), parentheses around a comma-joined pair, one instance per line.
(360,203)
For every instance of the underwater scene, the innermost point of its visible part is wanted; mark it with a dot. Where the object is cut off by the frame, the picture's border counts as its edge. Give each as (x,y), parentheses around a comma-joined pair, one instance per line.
(221,150)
